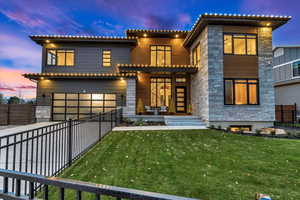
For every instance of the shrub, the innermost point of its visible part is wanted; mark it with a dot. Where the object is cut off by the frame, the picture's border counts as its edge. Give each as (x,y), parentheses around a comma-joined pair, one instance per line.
(227,129)
(139,122)
(212,126)
(273,132)
(258,132)
(220,127)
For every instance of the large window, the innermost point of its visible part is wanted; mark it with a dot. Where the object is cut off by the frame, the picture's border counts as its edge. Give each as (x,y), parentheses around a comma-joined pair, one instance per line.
(60,57)
(241,91)
(196,55)
(240,44)
(160,55)
(106,58)
(74,105)
(296,69)
(161,90)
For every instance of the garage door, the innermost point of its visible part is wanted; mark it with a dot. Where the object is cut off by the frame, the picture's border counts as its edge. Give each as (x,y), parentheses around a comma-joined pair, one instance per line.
(74,105)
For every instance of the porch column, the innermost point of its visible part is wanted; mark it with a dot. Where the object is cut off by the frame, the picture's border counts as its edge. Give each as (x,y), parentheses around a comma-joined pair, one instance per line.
(129,110)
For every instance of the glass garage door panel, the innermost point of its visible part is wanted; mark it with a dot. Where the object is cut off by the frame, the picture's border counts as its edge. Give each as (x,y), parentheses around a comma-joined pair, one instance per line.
(74,105)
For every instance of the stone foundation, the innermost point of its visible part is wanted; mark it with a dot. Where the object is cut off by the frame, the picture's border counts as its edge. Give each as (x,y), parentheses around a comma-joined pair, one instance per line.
(130,108)
(43,113)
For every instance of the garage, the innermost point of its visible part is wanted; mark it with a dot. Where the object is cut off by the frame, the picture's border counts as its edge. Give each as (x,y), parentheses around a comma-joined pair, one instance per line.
(79,105)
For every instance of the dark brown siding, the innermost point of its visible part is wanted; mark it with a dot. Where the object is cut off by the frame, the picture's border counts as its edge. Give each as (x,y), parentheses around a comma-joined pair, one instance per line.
(17,114)
(240,29)
(240,66)
(141,53)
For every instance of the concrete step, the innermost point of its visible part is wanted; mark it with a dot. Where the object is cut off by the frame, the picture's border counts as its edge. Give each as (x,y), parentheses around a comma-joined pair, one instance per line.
(183,121)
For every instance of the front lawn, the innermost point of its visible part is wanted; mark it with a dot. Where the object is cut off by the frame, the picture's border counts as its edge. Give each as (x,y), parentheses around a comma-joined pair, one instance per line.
(204,164)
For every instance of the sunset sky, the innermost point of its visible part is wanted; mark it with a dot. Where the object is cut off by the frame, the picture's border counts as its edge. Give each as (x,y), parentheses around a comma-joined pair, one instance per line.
(20,18)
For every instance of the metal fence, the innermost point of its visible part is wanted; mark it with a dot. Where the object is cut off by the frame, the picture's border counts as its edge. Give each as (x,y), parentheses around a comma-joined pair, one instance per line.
(50,149)
(79,187)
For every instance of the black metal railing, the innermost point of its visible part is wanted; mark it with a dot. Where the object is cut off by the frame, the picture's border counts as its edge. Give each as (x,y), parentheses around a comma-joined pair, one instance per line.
(50,149)
(79,187)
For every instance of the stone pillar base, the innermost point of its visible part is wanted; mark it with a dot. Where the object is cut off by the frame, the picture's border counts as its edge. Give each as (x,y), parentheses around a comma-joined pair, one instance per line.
(43,113)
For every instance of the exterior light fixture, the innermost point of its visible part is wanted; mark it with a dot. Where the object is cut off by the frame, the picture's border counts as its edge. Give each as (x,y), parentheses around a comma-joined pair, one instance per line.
(47,41)
(268,24)
(176,35)
(42,78)
(145,35)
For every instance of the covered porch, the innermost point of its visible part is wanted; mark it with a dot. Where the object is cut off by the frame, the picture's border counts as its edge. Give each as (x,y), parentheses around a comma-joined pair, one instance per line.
(161,90)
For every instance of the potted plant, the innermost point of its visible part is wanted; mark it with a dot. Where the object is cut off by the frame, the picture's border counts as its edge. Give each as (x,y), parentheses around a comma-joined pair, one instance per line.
(172,106)
(140,107)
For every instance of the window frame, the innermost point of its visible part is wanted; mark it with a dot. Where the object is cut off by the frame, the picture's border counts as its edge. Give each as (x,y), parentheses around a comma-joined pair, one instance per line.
(296,75)
(56,60)
(240,127)
(248,91)
(246,44)
(196,60)
(164,54)
(156,87)
(110,59)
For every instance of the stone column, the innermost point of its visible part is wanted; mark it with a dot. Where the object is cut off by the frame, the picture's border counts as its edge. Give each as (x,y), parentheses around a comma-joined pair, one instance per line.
(43,113)
(129,110)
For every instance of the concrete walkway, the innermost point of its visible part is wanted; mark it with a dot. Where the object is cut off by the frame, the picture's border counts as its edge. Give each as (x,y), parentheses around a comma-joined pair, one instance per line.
(21,128)
(156,128)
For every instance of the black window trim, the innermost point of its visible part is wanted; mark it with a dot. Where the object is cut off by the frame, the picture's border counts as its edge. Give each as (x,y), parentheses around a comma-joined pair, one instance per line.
(241,126)
(293,70)
(110,60)
(242,79)
(232,44)
(156,81)
(164,45)
(60,49)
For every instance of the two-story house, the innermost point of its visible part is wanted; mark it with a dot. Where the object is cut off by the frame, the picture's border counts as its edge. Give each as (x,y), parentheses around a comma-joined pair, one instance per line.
(220,71)
(286,68)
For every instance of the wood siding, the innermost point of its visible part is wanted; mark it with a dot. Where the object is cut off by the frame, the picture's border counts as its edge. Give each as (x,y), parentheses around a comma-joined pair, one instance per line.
(47,87)
(140,54)
(17,114)
(236,66)
(240,66)
(88,57)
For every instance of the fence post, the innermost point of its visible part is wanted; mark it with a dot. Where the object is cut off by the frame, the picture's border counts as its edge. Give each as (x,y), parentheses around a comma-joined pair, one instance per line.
(70,142)
(121,115)
(281,111)
(295,114)
(111,119)
(116,117)
(100,127)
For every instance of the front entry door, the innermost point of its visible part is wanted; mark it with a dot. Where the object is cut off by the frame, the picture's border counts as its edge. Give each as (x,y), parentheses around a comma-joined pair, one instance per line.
(180,99)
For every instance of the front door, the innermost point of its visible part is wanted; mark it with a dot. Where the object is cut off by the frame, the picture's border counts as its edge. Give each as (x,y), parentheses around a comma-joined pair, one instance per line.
(180,99)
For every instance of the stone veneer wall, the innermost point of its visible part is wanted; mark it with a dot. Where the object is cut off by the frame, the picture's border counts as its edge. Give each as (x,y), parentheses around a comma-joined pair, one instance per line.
(207,86)
(130,108)
(218,112)
(199,81)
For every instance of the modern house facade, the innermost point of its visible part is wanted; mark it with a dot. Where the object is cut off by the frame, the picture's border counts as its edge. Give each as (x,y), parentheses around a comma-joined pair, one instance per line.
(287,75)
(220,71)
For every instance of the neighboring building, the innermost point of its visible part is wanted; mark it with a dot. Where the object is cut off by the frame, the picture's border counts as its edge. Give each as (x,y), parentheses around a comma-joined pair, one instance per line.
(221,71)
(286,66)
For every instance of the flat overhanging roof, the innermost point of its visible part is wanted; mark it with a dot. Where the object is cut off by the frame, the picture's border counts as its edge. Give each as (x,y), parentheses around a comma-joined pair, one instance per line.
(36,76)
(161,68)
(273,21)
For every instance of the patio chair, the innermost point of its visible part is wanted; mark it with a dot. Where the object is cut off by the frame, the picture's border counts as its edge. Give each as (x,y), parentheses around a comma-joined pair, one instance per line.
(163,109)
(148,109)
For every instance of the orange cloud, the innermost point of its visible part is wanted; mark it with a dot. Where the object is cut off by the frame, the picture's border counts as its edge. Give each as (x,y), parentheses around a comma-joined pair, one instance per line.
(12,83)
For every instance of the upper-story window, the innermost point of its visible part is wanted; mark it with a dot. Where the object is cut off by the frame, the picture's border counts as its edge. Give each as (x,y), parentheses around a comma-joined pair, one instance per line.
(196,55)
(160,55)
(106,58)
(296,69)
(60,57)
(240,44)
(241,92)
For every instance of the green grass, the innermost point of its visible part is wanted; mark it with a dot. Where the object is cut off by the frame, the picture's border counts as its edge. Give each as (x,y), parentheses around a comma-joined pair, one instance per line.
(204,164)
